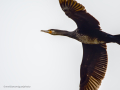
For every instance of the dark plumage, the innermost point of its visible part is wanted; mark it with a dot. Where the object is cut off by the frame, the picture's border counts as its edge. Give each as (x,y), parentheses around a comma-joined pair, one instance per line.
(94,63)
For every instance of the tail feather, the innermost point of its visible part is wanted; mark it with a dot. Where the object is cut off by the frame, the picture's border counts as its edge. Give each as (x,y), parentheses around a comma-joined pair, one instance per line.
(117,37)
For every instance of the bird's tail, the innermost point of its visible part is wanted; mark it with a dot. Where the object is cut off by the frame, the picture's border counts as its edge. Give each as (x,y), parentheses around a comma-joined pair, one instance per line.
(117,37)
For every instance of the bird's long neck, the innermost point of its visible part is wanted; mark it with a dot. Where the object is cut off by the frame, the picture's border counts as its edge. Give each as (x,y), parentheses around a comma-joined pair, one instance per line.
(67,33)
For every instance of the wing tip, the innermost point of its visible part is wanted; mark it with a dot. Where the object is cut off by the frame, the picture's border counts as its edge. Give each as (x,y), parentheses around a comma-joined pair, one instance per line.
(72,5)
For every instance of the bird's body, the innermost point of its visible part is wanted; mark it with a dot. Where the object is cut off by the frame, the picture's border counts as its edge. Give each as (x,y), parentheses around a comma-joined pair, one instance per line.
(87,39)
(94,63)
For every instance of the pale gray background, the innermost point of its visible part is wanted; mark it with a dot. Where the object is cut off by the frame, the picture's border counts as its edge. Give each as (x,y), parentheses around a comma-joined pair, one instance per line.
(45,62)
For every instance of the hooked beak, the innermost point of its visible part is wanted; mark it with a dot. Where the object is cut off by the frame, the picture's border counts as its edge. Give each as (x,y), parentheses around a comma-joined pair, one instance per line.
(45,31)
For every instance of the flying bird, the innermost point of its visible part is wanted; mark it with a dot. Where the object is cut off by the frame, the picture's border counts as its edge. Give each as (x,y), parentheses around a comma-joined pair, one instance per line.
(93,39)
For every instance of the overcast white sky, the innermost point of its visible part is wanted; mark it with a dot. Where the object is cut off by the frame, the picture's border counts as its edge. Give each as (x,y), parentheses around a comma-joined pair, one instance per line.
(29,57)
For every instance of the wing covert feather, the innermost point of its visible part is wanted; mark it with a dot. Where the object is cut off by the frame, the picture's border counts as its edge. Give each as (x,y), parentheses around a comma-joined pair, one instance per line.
(93,67)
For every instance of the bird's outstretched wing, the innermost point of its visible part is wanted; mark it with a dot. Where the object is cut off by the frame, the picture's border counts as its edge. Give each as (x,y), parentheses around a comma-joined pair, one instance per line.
(93,67)
(78,13)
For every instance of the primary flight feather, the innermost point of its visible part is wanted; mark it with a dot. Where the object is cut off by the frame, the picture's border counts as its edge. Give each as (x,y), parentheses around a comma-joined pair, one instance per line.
(94,62)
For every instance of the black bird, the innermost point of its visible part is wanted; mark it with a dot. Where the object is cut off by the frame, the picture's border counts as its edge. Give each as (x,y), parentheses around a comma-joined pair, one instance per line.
(94,62)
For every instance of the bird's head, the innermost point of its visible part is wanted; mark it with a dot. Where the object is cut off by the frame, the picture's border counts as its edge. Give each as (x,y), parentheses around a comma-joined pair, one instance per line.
(57,32)
(52,31)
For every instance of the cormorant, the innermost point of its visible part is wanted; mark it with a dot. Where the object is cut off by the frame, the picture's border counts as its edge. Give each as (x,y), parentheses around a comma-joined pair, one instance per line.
(94,62)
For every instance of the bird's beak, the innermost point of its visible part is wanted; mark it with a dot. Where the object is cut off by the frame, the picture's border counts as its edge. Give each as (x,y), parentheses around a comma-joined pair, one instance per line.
(45,31)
